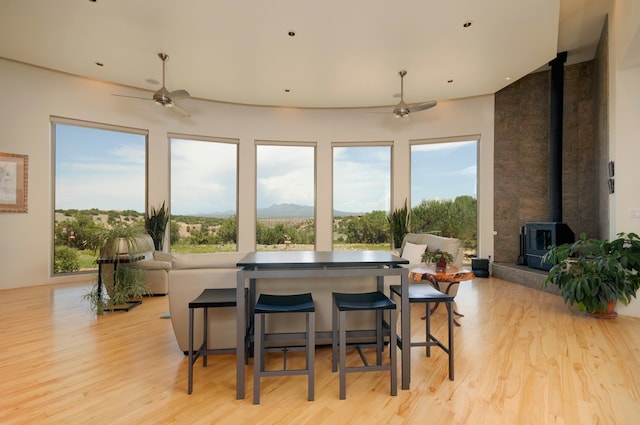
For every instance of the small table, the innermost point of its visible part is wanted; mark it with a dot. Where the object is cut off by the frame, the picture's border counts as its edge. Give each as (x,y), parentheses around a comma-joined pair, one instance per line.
(451,276)
(115,261)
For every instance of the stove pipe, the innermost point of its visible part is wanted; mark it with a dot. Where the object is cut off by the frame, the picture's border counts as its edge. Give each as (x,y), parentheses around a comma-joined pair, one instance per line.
(555,137)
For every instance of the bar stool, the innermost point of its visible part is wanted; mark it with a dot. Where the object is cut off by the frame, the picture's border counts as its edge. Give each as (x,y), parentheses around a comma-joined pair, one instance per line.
(271,304)
(425,293)
(377,301)
(209,298)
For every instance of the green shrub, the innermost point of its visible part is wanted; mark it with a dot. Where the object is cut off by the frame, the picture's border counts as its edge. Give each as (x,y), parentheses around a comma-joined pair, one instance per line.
(66,259)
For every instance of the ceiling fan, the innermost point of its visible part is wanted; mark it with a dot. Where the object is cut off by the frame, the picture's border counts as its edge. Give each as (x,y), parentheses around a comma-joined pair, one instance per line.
(163,96)
(402,109)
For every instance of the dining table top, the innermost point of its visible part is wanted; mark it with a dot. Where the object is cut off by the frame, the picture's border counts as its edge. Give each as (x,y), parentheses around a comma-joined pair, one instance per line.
(294,259)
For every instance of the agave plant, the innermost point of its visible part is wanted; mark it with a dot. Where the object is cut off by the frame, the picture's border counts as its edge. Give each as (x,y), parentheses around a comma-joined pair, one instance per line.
(155,222)
(400,224)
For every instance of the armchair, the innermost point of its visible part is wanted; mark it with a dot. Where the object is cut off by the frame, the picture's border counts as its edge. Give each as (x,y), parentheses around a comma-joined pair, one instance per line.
(156,265)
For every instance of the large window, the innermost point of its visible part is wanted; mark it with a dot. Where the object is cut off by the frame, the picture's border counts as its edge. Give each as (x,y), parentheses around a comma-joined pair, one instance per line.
(99,182)
(444,181)
(361,196)
(285,192)
(204,188)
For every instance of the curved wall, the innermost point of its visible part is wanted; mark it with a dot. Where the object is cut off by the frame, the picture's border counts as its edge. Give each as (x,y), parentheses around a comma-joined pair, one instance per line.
(32,95)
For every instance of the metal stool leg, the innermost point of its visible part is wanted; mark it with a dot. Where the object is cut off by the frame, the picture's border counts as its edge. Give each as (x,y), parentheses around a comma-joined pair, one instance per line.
(258,358)
(451,323)
(334,338)
(379,338)
(205,332)
(393,318)
(343,354)
(311,353)
(428,328)
(190,379)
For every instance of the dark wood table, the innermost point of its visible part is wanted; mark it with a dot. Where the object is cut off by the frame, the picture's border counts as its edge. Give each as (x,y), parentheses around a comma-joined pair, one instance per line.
(318,264)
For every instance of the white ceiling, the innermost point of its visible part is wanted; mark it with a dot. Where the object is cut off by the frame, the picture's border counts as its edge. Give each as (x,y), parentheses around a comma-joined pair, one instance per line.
(346,53)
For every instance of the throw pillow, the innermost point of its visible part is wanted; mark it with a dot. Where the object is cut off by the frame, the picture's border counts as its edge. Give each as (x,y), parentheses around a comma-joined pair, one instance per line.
(413,252)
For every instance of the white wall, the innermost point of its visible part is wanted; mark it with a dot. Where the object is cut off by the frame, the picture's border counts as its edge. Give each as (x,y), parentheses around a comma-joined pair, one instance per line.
(31,95)
(624,81)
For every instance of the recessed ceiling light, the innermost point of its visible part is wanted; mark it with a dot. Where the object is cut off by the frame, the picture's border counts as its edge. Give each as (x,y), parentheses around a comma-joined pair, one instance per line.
(467,24)
(152,81)
(291,33)
(99,64)
(508,78)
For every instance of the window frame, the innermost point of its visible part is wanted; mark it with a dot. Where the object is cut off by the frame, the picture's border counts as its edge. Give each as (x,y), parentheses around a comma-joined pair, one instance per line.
(314,145)
(58,120)
(360,144)
(206,139)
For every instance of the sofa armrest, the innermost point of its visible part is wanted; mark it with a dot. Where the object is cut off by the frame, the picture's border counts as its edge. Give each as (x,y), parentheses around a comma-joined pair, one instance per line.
(153,265)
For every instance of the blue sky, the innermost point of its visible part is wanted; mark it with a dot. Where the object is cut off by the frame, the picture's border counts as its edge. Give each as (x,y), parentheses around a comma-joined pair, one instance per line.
(443,170)
(361,178)
(106,170)
(203,177)
(99,169)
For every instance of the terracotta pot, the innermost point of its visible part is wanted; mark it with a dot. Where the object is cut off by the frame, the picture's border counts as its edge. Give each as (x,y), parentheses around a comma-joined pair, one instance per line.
(609,314)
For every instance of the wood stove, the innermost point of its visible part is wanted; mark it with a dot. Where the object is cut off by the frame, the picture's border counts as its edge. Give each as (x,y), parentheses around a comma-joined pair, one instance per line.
(538,238)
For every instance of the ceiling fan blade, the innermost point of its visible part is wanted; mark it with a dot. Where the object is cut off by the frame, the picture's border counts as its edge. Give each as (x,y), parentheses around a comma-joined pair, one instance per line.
(179,111)
(422,106)
(131,97)
(178,94)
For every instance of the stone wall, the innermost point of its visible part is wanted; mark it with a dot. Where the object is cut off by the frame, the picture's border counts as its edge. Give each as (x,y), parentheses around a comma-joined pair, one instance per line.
(522,156)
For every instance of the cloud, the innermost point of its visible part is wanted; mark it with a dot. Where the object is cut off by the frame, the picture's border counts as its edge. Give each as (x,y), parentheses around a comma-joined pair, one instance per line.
(361,178)
(203,176)
(285,174)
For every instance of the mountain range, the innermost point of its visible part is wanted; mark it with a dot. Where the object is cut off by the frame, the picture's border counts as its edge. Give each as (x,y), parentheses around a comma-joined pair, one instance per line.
(283,211)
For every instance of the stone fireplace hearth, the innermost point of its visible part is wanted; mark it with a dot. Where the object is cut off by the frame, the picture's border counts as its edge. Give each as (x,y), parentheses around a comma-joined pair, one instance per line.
(522,275)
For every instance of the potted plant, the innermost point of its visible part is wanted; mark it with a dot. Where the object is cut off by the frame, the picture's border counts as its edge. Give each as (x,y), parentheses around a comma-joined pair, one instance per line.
(595,273)
(399,224)
(437,256)
(123,282)
(155,222)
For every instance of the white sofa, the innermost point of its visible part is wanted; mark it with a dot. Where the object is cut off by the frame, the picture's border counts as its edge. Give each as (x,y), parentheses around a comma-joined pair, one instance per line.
(190,274)
(156,264)
(433,242)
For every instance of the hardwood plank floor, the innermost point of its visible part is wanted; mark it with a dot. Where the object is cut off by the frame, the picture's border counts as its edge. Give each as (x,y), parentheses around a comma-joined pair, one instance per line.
(521,358)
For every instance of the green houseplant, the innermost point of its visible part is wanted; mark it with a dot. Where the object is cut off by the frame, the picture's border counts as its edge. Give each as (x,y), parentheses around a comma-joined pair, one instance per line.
(435,256)
(155,222)
(127,284)
(595,273)
(399,224)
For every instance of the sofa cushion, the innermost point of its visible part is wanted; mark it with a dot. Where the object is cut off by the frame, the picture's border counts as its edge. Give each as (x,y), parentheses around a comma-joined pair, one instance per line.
(413,252)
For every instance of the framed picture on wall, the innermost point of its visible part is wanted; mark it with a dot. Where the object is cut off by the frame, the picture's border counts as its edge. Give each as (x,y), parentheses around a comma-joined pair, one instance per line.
(13,182)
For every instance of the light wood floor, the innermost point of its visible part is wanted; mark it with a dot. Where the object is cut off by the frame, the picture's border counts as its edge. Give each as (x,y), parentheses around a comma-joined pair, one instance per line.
(521,358)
